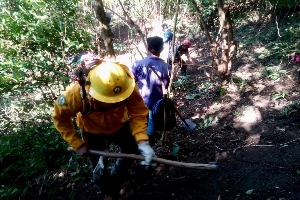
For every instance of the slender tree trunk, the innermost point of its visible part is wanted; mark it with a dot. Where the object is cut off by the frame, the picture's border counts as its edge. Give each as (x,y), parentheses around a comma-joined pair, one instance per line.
(134,25)
(105,31)
(223,66)
(231,41)
(212,44)
(164,135)
(173,43)
(228,45)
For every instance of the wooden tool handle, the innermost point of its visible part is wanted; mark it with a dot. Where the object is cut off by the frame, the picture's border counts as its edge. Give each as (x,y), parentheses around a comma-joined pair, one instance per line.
(158,160)
(154,159)
(180,115)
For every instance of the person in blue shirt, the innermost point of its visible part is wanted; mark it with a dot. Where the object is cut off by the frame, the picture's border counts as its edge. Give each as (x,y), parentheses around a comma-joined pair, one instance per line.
(150,87)
(167,39)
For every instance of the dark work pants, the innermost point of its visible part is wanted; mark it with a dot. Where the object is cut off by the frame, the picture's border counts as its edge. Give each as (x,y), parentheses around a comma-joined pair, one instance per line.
(182,65)
(126,142)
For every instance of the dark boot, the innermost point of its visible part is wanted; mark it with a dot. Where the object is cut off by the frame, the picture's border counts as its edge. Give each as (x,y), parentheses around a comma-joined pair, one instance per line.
(118,176)
(183,71)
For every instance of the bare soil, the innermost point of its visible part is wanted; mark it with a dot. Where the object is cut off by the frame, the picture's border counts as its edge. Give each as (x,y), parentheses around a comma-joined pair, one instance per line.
(252,137)
(254,140)
(256,148)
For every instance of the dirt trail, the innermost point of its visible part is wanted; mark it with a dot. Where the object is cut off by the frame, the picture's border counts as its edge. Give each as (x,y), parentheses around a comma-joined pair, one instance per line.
(257,154)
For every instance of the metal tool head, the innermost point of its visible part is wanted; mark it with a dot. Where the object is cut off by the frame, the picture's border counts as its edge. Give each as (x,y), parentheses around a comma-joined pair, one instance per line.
(213,165)
(189,125)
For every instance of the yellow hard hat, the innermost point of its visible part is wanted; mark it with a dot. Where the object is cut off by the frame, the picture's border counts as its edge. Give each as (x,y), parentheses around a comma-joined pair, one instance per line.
(110,82)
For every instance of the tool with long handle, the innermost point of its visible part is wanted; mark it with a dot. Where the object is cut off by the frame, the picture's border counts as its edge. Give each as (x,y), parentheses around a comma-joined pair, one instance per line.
(189,125)
(211,166)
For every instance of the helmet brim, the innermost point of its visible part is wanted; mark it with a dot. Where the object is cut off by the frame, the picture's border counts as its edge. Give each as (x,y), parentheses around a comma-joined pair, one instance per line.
(106,99)
(124,94)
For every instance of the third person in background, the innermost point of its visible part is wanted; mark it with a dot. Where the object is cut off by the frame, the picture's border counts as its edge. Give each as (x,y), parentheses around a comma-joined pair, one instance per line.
(181,56)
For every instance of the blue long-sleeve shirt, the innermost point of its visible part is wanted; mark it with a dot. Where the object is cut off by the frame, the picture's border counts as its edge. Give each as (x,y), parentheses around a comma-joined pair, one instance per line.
(167,37)
(150,87)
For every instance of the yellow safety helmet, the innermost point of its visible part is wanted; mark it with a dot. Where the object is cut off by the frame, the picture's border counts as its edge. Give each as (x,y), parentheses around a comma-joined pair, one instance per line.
(110,82)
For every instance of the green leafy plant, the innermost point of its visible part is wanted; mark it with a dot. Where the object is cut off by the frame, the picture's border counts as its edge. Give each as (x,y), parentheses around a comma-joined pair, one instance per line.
(175,150)
(193,96)
(221,91)
(36,38)
(237,113)
(207,122)
(181,82)
(280,95)
(204,87)
(289,110)
(120,46)
(273,73)
(132,32)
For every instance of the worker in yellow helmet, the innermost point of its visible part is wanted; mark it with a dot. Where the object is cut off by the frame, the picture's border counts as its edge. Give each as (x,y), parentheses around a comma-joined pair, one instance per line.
(109,109)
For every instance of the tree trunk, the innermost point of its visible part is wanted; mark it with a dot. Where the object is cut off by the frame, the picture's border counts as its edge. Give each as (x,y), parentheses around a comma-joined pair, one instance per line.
(228,45)
(223,66)
(134,25)
(212,44)
(105,31)
(173,43)
(232,43)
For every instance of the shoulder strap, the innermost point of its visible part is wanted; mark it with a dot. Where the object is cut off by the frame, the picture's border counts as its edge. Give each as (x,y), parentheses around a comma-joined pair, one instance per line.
(164,89)
(84,95)
(82,74)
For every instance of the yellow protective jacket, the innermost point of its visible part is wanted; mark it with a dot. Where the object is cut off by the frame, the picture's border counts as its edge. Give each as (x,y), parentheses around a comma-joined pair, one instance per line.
(104,119)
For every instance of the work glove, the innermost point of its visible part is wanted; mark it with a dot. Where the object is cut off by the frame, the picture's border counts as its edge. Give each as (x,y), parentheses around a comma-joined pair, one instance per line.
(147,152)
(82,150)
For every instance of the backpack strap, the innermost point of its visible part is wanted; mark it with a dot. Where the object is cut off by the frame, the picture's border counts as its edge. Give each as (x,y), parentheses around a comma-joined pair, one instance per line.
(84,95)
(82,74)
(164,88)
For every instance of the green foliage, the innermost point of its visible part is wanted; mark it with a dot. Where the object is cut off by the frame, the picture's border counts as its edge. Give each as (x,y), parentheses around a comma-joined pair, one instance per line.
(280,95)
(120,46)
(237,113)
(175,150)
(37,150)
(181,82)
(289,109)
(221,91)
(184,83)
(249,191)
(193,96)
(204,87)
(283,3)
(208,10)
(273,73)
(132,32)
(35,39)
(207,122)
(277,42)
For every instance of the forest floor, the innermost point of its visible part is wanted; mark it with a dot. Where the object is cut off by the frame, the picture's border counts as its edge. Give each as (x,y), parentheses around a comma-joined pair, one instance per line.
(249,127)
(252,136)
(245,131)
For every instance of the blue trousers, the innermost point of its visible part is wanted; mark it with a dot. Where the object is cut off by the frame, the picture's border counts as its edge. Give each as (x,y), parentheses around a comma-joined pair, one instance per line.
(151,128)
